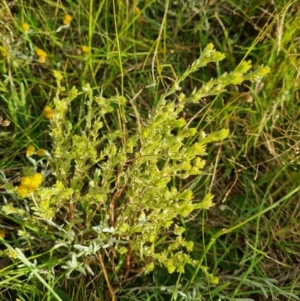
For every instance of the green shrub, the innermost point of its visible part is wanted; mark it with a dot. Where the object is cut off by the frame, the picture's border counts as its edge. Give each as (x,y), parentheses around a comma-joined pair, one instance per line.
(110,194)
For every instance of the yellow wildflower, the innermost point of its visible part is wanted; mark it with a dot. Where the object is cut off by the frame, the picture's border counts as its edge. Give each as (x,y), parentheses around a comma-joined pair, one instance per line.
(48,112)
(42,59)
(67,19)
(40,52)
(30,150)
(85,49)
(23,191)
(25,26)
(25,181)
(40,152)
(36,180)
(30,184)
(42,55)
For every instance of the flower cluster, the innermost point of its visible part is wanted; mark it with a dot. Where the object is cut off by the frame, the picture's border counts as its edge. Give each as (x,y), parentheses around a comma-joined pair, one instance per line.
(67,19)
(31,151)
(30,184)
(42,55)
(48,112)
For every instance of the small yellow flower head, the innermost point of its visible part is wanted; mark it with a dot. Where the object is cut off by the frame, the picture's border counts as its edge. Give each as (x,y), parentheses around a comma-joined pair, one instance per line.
(85,49)
(40,152)
(36,181)
(30,150)
(40,52)
(30,184)
(22,191)
(42,59)
(48,112)
(25,27)
(26,181)
(67,19)
(42,55)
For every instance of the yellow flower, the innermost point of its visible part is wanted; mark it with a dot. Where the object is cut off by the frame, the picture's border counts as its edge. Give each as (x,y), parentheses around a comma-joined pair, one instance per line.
(67,19)
(2,233)
(48,112)
(25,181)
(30,184)
(38,178)
(85,49)
(40,152)
(23,191)
(41,53)
(30,150)
(42,59)
(36,181)
(25,26)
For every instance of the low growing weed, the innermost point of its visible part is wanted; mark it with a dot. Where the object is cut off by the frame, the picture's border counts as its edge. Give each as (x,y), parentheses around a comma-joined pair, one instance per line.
(106,199)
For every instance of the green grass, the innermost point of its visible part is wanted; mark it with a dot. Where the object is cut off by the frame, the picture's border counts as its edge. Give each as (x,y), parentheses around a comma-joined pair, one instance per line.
(137,53)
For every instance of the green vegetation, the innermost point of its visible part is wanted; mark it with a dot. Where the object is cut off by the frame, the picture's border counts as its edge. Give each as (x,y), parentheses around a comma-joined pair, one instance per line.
(149,150)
